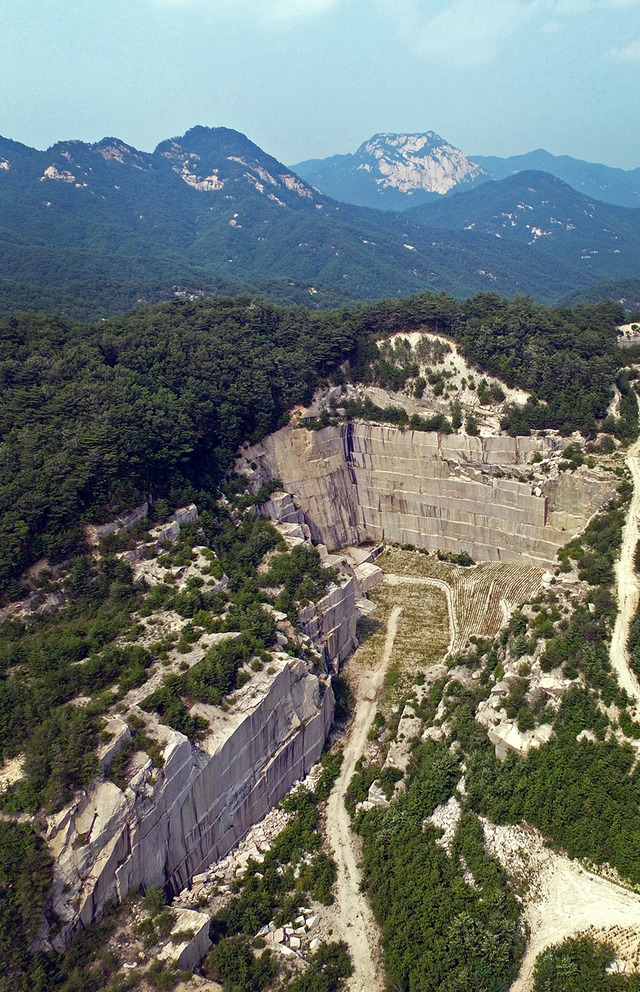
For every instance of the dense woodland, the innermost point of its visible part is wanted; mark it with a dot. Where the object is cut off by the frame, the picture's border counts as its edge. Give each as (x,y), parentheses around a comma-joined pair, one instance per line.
(94,418)
(580,965)
(438,931)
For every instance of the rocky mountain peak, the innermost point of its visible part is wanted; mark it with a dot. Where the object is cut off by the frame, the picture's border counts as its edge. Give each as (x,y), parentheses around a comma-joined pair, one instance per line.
(209,158)
(394,171)
(410,162)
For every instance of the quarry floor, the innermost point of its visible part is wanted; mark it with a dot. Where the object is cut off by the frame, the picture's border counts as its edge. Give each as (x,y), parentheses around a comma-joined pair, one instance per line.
(562,899)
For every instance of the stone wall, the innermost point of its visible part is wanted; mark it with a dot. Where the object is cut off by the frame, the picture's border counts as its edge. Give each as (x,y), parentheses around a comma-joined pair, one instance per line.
(359,482)
(173,822)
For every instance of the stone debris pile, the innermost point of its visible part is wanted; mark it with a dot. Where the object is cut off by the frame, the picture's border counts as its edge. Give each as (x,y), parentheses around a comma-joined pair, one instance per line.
(217,879)
(220,876)
(295,935)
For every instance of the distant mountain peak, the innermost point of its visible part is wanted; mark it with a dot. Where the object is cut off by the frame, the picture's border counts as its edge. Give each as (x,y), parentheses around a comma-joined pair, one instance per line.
(390,168)
(422,161)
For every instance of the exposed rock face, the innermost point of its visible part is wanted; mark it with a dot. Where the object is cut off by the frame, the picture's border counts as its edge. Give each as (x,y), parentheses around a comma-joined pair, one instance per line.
(331,622)
(95,533)
(360,482)
(188,953)
(173,822)
(394,171)
(416,161)
(166,532)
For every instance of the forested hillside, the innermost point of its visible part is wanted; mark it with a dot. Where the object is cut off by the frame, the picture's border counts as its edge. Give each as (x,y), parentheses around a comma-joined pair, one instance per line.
(212,210)
(96,417)
(535,208)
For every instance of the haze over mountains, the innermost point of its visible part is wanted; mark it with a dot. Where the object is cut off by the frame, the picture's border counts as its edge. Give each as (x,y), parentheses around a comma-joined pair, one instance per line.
(399,171)
(393,171)
(91,229)
(599,181)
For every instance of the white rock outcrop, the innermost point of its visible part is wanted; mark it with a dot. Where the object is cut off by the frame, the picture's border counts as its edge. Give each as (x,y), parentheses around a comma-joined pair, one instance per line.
(189,952)
(173,822)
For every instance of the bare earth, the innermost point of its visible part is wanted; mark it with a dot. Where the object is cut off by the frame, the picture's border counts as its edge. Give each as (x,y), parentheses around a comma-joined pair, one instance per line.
(395,580)
(564,900)
(627,583)
(353,918)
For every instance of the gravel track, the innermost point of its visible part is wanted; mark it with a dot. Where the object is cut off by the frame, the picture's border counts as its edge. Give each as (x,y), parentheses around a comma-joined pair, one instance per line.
(354,920)
(628,587)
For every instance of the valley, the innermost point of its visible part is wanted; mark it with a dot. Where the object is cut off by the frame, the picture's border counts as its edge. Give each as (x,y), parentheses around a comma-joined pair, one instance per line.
(390,515)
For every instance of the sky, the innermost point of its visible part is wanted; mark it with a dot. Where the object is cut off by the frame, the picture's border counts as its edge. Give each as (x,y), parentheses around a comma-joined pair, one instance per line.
(311,78)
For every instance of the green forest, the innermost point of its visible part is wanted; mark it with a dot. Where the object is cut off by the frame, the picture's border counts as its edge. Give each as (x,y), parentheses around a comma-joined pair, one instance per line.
(153,405)
(95,418)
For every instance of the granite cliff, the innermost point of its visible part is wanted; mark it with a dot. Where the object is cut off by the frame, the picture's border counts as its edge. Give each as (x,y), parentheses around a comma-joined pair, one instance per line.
(360,481)
(170,823)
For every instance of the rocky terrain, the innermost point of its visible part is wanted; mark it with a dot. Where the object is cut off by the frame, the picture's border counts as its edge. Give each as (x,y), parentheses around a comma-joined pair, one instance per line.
(189,808)
(495,497)
(401,517)
(394,171)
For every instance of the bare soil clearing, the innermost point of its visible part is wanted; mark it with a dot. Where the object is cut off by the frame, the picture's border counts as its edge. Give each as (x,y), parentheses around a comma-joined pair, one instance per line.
(480,599)
(563,899)
(628,585)
(353,917)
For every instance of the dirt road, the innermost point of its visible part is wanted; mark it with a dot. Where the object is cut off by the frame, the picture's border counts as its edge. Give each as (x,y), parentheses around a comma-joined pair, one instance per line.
(354,919)
(563,899)
(628,587)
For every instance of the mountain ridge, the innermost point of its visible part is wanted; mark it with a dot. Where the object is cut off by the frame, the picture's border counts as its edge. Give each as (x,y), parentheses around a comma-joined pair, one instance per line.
(331,175)
(211,209)
(535,208)
(606,183)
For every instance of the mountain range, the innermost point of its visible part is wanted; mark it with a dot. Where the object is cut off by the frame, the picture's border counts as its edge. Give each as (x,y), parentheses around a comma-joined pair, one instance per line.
(601,182)
(400,171)
(92,229)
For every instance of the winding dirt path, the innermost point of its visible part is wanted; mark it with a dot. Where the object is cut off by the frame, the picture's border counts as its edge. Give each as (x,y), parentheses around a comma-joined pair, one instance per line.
(354,919)
(627,584)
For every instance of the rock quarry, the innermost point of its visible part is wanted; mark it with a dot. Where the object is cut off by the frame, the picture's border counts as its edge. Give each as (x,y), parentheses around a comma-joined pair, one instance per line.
(358,481)
(172,822)
(495,497)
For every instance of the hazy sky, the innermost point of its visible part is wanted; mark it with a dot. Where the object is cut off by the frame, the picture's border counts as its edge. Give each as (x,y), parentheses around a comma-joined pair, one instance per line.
(309,78)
